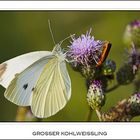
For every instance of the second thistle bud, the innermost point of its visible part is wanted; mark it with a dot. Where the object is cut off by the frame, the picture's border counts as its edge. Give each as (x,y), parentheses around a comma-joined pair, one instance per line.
(95,95)
(134,102)
(132,33)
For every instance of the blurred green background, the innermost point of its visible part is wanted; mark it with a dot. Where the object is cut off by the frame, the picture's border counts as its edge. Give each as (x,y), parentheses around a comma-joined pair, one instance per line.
(22,32)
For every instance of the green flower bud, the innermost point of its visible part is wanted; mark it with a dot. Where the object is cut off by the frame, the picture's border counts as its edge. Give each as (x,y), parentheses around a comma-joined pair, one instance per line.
(125,74)
(88,72)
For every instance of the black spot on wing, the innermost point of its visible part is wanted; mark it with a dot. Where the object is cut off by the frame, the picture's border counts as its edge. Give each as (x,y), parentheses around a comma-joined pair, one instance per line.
(25,86)
(33,89)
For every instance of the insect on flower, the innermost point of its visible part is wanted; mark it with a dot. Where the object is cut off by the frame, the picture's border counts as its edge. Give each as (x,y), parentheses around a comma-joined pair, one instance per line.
(106,48)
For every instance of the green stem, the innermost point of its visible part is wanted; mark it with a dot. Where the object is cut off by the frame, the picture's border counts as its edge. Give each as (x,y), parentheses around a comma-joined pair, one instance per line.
(113,88)
(21,113)
(99,115)
(89,114)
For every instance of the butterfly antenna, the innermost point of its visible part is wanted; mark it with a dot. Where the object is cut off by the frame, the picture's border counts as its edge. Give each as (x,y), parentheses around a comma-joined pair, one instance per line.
(70,36)
(49,23)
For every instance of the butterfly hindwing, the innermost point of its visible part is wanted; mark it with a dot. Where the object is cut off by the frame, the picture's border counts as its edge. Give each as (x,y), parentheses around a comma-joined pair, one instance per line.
(22,86)
(53,89)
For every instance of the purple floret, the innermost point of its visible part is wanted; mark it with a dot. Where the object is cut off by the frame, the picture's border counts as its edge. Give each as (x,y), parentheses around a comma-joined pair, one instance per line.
(135,23)
(84,50)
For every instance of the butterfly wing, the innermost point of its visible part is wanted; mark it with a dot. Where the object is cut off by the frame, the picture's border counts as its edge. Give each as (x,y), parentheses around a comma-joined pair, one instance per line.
(53,89)
(16,65)
(22,86)
(106,48)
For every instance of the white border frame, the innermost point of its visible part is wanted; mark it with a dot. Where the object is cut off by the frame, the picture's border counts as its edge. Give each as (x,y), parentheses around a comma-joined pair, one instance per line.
(25,130)
(69,5)
(111,130)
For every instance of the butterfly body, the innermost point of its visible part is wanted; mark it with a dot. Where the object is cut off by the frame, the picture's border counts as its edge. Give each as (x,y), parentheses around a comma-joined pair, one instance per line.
(41,81)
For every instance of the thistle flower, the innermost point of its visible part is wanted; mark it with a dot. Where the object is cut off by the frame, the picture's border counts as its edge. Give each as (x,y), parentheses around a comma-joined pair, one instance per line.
(95,95)
(84,52)
(134,102)
(132,33)
(118,113)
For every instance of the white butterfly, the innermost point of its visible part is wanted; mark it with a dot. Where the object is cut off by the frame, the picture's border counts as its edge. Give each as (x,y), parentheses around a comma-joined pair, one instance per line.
(37,79)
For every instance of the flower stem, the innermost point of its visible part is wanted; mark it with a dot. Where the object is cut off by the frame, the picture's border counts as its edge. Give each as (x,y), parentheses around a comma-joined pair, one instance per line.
(89,114)
(99,115)
(21,113)
(113,88)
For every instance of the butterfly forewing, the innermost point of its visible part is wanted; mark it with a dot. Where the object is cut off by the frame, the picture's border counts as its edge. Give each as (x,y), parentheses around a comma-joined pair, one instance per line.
(53,89)
(16,65)
(22,86)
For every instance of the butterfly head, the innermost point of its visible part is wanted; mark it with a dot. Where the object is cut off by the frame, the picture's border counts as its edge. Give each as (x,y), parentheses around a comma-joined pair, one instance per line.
(59,52)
